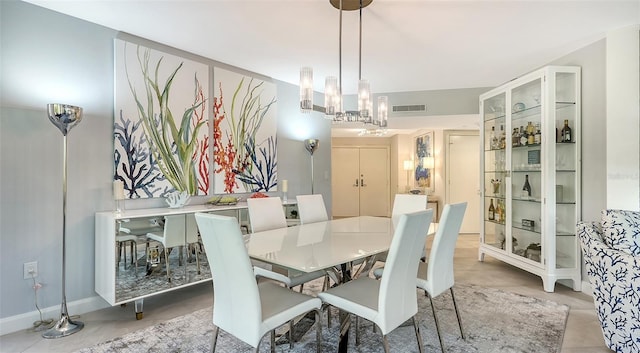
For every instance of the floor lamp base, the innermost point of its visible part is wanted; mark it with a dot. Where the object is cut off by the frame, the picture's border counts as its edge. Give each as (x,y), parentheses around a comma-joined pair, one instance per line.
(64,327)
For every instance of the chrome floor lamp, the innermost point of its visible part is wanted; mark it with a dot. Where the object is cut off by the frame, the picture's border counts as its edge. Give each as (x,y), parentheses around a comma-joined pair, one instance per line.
(311,145)
(64,117)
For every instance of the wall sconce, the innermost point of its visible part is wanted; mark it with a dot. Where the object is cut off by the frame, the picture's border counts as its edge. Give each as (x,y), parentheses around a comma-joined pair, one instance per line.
(311,145)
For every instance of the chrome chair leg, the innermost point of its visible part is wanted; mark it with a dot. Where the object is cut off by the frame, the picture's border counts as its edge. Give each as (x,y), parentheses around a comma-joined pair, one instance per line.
(273,341)
(357,330)
(166,263)
(417,329)
(455,306)
(291,334)
(214,338)
(318,331)
(435,318)
(385,344)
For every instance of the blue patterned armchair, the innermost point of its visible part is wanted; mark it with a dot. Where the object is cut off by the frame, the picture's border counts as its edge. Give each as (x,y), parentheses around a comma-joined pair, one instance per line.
(612,255)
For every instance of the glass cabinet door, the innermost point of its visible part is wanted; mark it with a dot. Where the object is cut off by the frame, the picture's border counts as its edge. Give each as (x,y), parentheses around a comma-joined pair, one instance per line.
(527,152)
(495,158)
(566,164)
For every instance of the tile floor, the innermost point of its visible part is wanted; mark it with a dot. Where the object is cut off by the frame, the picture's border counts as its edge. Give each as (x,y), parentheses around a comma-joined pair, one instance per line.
(582,335)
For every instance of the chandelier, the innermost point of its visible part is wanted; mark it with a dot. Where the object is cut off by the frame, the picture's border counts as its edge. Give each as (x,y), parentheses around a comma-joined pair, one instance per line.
(333,108)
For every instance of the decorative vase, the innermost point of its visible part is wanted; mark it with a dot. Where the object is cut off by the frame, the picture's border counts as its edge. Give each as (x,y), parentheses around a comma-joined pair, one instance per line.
(177,199)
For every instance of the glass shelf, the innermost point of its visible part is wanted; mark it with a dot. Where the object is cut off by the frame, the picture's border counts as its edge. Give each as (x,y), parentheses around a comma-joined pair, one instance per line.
(526,170)
(527,229)
(525,200)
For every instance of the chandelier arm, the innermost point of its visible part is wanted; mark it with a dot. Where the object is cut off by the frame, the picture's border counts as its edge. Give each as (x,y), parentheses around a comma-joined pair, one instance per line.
(340,55)
(360,46)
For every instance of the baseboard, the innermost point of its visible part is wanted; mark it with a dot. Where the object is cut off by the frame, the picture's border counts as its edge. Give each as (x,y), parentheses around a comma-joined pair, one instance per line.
(25,321)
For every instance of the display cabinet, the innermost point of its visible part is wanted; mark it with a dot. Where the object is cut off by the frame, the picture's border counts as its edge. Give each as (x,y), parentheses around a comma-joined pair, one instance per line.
(530,170)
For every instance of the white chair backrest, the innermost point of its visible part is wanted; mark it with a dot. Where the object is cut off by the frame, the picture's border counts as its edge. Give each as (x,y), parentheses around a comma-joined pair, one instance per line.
(407,203)
(266,213)
(192,228)
(174,228)
(311,208)
(440,264)
(236,307)
(397,300)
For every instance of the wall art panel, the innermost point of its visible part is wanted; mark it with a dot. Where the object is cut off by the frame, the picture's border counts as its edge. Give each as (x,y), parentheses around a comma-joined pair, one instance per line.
(161,133)
(244,141)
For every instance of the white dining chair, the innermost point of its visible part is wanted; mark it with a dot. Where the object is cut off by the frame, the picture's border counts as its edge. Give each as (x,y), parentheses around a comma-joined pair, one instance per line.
(392,300)
(404,203)
(311,208)
(436,276)
(266,214)
(172,236)
(242,307)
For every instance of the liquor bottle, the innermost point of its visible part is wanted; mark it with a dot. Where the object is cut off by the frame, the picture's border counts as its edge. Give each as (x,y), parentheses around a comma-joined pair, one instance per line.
(523,136)
(498,212)
(494,139)
(531,138)
(566,132)
(503,216)
(526,189)
(503,138)
(515,138)
(538,136)
(492,211)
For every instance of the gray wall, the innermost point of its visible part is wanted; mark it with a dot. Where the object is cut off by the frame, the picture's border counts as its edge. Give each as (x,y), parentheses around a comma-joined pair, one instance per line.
(47,57)
(594,174)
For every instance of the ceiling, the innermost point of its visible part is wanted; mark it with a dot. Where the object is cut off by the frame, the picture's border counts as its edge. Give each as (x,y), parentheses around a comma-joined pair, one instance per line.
(408,45)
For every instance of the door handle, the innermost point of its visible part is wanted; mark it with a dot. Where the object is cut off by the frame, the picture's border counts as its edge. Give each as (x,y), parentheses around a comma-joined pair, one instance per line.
(362,181)
(356,184)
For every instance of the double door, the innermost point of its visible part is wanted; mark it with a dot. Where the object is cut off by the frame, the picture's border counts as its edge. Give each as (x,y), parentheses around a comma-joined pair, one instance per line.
(360,181)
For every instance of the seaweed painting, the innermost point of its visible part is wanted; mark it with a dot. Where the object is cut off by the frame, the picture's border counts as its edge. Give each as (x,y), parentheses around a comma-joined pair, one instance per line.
(244,135)
(161,136)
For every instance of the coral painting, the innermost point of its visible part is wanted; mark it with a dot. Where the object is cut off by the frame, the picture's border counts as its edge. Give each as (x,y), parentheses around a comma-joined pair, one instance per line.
(161,128)
(244,133)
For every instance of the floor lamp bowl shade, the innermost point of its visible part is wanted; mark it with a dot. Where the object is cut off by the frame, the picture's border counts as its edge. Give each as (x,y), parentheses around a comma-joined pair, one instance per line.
(311,145)
(64,116)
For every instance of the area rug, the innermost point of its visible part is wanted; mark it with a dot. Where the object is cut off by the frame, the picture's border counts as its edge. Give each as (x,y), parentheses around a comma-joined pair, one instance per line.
(493,320)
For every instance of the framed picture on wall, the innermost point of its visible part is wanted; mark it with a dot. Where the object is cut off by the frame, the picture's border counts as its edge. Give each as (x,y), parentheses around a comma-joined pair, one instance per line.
(424,162)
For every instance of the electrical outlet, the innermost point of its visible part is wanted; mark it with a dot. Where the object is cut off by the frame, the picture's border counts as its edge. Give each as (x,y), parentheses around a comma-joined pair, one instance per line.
(30,269)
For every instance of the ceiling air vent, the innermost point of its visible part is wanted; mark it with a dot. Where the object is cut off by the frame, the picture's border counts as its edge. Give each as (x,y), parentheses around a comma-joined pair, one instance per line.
(410,108)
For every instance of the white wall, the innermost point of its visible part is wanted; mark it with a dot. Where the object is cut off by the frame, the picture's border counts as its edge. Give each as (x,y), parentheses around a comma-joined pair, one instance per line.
(623,118)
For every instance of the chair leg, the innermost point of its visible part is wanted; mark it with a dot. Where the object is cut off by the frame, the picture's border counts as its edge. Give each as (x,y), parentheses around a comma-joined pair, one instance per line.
(291,333)
(273,341)
(357,330)
(455,306)
(198,257)
(385,344)
(214,338)
(435,318)
(166,263)
(301,287)
(318,331)
(418,336)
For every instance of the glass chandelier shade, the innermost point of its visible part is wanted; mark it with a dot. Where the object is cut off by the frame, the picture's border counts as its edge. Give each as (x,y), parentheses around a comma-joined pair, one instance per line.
(383,110)
(332,98)
(306,89)
(364,94)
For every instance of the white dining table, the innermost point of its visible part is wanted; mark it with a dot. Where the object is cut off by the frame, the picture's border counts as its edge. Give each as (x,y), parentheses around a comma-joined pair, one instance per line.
(325,245)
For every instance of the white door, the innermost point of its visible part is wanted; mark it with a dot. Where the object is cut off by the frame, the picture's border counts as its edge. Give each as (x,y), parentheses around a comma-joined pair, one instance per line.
(360,181)
(463,166)
(374,182)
